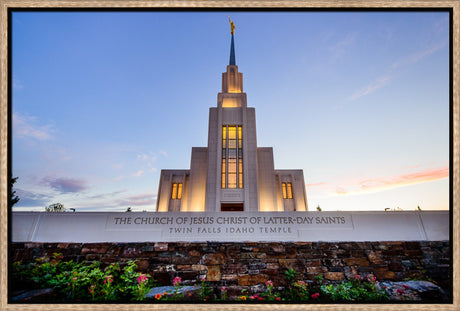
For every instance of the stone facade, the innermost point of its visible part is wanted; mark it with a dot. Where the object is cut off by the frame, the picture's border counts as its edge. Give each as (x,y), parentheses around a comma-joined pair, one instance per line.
(248,265)
(232,173)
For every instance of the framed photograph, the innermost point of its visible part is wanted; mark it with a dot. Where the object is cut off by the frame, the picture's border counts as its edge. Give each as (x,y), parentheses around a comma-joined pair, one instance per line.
(230,154)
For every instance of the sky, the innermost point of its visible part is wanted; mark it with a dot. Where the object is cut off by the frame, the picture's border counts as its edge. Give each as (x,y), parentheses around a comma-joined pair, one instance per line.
(102,101)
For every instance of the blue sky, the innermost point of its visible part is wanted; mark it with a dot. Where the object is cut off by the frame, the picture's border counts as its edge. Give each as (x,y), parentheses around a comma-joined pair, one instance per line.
(102,101)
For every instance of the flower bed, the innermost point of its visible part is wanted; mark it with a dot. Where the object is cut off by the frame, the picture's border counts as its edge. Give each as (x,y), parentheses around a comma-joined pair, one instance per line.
(120,282)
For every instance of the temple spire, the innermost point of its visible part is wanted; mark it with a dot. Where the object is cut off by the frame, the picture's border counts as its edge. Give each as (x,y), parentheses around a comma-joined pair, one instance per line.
(232,47)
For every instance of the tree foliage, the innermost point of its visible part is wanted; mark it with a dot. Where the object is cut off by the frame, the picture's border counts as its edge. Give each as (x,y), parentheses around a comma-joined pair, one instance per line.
(56,207)
(13,197)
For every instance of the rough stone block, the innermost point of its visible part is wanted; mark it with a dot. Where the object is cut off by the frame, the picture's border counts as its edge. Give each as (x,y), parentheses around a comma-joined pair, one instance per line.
(142,265)
(93,257)
(213,274)
(289,264)
(376,257)
(334,276)
(395,266)
(94,248)
(199,267)
(273,266)
(249,280)
(314,269)
(384,275)
(229,277)
(185,267)
(194,253)
(356,261)
(214,259)
(278,248)
(131,252)
(161,247)
(291,252)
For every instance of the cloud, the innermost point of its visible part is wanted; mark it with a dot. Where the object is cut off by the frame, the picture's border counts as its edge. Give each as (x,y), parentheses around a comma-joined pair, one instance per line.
(23,127)
(418,56)
(384,79)
(106,195)
(341,48)
(390,182)
(66,185)
(316,184)
(406,179)
(164,153)
(372,87)
(30,198)
(139,173)
(136,200)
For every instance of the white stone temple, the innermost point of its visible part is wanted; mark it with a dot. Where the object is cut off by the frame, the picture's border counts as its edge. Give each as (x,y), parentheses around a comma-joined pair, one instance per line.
(232,173)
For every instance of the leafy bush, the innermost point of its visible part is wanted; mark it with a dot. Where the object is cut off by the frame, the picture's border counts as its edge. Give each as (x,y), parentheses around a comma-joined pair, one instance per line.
(84,281)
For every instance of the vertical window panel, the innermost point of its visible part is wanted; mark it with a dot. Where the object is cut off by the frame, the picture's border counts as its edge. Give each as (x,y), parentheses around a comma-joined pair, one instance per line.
(232,180)
(232,132)
(232,156)
(179,191)
(223,181)
(174,191)
(289,190)
(232,165)
(283,186)
(240,137)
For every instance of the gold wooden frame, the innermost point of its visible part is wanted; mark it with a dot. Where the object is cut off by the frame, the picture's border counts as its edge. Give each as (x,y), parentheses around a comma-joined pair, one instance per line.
(5,4)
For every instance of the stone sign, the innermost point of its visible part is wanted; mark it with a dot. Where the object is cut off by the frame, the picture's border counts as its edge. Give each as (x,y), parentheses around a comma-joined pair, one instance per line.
(223,226)
(229,226)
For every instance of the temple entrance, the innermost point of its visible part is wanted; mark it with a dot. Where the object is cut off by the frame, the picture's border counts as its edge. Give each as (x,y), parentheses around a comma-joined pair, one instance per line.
(232,207)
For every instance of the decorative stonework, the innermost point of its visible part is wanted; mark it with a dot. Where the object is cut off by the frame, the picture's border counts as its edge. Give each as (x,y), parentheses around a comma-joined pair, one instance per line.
(248,264)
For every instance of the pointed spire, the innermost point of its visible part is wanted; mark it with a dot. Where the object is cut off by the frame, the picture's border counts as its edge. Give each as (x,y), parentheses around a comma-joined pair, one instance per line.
(232,53)
(232,47)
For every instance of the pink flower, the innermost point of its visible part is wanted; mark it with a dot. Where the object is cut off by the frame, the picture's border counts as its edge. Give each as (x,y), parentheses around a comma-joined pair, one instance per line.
(358,277)
(400,291)
(269,283)
(261,298)
(251,297)
(177,281)
(141,278)
(223,289)
(278,298)
(315,295)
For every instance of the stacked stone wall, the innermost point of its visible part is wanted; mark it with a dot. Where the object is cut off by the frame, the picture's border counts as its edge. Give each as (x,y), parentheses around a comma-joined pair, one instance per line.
(240,265)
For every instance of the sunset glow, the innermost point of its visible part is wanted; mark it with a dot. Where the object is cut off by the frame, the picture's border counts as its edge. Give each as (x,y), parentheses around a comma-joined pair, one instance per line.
(102,101)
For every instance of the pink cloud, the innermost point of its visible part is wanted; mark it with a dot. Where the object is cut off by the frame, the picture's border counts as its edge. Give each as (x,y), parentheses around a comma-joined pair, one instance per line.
(66,185)
(384,183)
(406,179)
(316,184)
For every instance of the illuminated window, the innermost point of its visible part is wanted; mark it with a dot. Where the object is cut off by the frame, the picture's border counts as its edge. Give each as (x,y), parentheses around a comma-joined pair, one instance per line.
(286,187)
(176,193)
(232,156)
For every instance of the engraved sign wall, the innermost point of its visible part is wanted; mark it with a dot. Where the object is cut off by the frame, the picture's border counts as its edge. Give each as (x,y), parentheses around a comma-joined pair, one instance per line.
(229,226)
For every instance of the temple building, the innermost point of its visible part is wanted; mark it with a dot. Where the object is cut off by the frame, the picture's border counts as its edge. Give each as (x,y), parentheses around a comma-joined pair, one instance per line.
(232,173)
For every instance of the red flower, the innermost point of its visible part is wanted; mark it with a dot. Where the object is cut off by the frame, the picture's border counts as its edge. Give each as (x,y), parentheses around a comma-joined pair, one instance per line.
(315,295)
